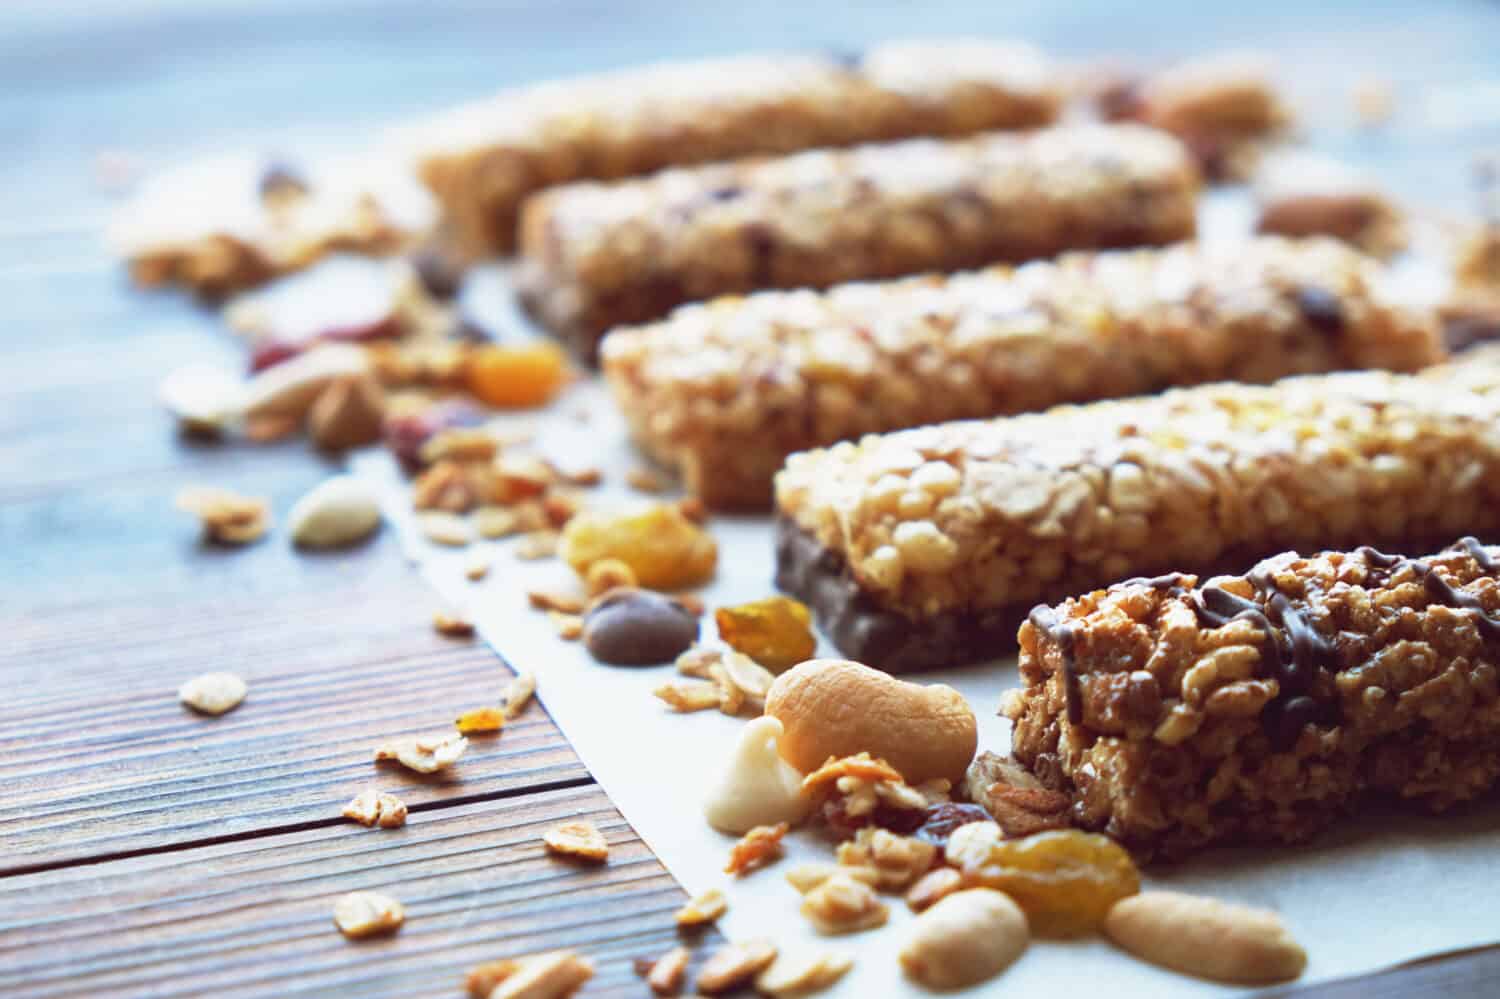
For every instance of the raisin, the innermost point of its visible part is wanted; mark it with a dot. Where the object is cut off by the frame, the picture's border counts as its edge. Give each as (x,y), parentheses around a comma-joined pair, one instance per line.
(939,821)
(269,353)
(517,377)
(664,549)
(776,632)
(1065,880)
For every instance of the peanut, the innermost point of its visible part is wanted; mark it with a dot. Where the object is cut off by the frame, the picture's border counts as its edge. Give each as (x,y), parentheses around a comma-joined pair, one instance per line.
(837,708)
(966,938)
(1206,937)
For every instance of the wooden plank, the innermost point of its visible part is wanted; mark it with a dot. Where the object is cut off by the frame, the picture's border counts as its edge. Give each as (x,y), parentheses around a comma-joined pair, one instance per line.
(254,918)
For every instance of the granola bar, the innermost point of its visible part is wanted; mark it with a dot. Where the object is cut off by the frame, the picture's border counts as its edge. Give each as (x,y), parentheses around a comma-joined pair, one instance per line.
(1177,713)
(725,391)
(482,160)
(926,547)
(603,255)
(225,225)
(1300,194)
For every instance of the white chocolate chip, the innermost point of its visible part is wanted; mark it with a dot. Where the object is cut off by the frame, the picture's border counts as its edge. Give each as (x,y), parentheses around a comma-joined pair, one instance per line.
(760,789)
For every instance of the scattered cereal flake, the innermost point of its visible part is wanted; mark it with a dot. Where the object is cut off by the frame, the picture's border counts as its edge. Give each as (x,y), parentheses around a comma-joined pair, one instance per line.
(757,848)
(646,480)
(367,913)
(933,887)
(704,909)
(451,624)
(698,660)
(481,721)
(553,600)
(732,699)
(608,574)
(554,975)
(749,676)
(799,973)
(375,808)
(477,566)
(843,904)
(809,875)
(733,966)
(577,839)
(213,693)
(228,518)
(494,522)
(443,528)
(688,697)
(668,971)
(518,694)
(481,981)
(899,860)
(569,627)
(424,753)
(537,545)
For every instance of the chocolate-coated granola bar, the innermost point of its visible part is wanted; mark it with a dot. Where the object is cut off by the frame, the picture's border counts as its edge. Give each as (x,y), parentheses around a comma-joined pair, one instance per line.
(603,255)
(484,159)
(927,546)
(724,391)
(1177,713)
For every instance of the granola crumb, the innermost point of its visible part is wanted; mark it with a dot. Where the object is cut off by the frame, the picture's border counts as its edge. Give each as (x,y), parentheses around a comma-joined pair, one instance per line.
(799,973)
(733,966)
(933,887)
(667,972)
(362,914)
(608,574)
(842,904)
(452,624)
(425,754)
(372,808)
(756,849)
(442,528)
(213,693)
(228,518)
(518,694)
(578,839)
(481,721)
(569,627)
(702,910)
(494,522)
(646,480)
(555,600)
(685,698)
(477,566)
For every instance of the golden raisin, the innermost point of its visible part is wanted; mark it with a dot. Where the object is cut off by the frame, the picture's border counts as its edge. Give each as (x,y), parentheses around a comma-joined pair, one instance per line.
(776,632)
(517,377)
(1065,880)
(664,549)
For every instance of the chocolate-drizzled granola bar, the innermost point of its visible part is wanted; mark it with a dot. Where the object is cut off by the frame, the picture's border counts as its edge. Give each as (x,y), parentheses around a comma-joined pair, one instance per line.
(926,546)
(1260,707)
(602,255)
(725,391)
(484,159)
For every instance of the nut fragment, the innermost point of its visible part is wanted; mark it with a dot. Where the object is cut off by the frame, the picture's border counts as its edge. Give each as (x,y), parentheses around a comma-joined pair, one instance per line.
(843,904)
(481,721)
(554,975)
(451,624)
(1014,797)
(348,413)
(733,966)
(374,808)
(703,909)
(424,753)
(668,971)
(518,694)
(213,693)
(757,848)
(1206,937)
(367,913)
(967,938)
(227,517)
(442,528)
(288,390)
(900,860)
(759,789)
(799,973)
(808,875)
(337,512)
(577,839)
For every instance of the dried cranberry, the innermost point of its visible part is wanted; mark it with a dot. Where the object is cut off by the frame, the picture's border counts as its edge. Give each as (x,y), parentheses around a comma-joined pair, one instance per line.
(939,821)
(269,353)
(405,434)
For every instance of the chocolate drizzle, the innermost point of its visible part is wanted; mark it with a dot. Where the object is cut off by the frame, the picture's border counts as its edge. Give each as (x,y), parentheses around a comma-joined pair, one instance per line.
(1045,620)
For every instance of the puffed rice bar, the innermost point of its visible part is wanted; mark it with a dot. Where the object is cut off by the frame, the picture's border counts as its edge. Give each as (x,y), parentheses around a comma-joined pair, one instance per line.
(1177,714)
(603,255)
(926,547)
(482,160)
(225,225)
(724,391)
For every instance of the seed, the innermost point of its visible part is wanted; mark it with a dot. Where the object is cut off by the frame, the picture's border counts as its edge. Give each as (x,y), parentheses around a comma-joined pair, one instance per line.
(630,627)
(337,512)
(213,693)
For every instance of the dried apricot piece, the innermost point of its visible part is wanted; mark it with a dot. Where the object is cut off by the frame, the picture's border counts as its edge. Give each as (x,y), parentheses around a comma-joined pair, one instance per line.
(1065,880)
(776,632)
(664,549)
(517,377)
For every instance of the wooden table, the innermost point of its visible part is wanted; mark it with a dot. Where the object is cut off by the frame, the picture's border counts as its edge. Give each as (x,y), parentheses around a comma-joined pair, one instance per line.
(147,851)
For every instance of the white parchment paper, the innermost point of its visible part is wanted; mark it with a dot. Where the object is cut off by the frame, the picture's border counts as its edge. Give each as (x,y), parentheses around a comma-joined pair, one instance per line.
(1381,889)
